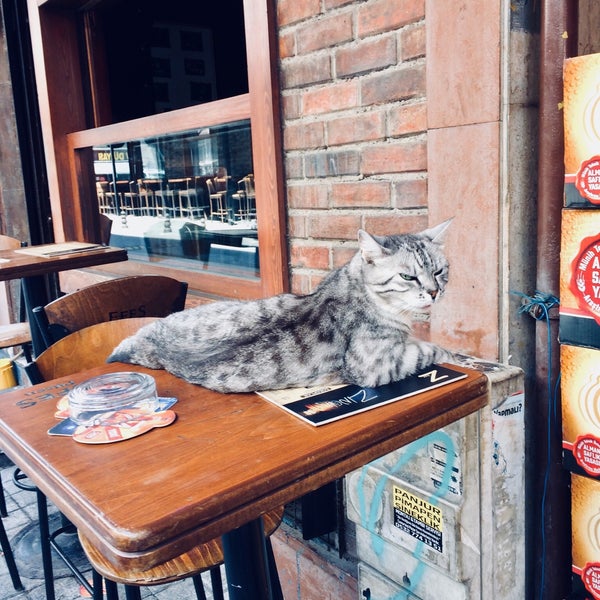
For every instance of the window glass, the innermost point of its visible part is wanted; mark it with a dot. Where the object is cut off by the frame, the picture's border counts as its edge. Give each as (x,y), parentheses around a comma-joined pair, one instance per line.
(167,55)
(186,200)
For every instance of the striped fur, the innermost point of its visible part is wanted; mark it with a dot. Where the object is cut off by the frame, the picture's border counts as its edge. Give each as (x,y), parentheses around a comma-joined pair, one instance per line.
(354,328)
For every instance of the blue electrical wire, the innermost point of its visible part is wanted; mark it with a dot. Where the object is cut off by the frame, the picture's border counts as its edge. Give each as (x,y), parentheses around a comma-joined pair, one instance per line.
(538,306)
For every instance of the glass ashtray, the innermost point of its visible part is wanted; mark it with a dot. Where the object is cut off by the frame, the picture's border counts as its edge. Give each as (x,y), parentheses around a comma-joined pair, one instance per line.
(111,392)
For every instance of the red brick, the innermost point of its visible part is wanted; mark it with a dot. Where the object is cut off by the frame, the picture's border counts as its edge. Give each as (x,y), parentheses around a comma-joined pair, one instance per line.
(298,72)
(291,105)
(361,194)
(305,283)
(324,33)
(342,255)
(305,574)
(297,226)
(412,42)
(310,257)
(329,4)
(302,135)
(333,226)
(292,11)
(360,127)
(300,284)
(314,280)
(332,164)
(389,86)
(407,119)
(287,44)
(330,98)
(411,193)
(366,56)
(294,167)
(394,223)
(388,15)
(307,196)
(395,158)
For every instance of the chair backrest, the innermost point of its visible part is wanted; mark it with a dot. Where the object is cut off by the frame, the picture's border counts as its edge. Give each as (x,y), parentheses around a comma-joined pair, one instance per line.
(9,243)
(249,183)
(6,243)
(221,184)
(211,186)
(87,348)
(127,297)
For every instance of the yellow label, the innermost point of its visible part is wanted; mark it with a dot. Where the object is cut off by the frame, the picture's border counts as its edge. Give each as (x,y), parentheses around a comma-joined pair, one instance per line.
(418,508)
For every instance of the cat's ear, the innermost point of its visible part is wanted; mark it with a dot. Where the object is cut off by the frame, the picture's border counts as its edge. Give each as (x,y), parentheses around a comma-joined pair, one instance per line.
(437,234)
(370,248)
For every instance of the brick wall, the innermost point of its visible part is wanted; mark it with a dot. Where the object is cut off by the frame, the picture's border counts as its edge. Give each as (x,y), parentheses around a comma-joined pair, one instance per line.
(354,121)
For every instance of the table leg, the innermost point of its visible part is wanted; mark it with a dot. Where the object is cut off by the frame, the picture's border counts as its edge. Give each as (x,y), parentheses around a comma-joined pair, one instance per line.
(246,562)
(45,547)
(35,294)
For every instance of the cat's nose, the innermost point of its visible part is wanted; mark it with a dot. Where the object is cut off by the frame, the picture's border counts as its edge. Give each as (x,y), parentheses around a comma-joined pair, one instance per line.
(433,294)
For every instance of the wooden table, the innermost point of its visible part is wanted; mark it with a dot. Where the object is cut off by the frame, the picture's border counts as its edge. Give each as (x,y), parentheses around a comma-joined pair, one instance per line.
(226,460)
(22,264)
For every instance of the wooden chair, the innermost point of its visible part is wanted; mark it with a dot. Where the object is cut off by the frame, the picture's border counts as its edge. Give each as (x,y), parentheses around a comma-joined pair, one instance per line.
(188,197)
(90,347)
(246,198)
(126,297)
(217,194)
(107,199)
(82,349)
(14,334)
(156,196)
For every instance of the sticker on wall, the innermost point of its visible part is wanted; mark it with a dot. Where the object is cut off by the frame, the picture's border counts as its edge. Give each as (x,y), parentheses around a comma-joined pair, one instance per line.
(419,518)
(587,180)
(438,457)
(585,278)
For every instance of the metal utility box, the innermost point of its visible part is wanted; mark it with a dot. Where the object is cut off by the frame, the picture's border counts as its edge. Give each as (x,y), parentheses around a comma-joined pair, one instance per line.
(374,585)
(443,516)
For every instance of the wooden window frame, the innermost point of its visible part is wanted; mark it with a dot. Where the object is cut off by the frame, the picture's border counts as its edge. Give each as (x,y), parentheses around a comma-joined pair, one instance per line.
(54,28)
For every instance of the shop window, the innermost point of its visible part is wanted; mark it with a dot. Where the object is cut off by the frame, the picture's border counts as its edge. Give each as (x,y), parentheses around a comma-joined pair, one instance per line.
(187,197)
(162,56)
(172,134)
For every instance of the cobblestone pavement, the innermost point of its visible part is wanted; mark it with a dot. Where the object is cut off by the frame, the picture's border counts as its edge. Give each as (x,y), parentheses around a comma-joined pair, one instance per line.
(21,527)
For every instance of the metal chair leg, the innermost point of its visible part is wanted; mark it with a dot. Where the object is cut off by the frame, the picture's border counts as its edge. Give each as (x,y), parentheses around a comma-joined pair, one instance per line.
(97,591)
(111,590)
(3,511)
(132,592)
(199,587)
(10,559)
(273,573)
(216,582)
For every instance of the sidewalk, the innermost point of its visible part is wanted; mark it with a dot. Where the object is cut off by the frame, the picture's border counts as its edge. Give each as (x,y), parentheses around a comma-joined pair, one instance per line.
(22,519)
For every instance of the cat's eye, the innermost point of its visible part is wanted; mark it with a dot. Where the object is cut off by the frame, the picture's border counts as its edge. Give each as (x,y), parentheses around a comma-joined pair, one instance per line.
(407,277)
(438,272)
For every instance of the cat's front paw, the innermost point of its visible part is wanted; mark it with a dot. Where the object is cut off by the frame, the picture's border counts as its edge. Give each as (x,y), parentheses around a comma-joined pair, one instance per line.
(441,355)
(431,353)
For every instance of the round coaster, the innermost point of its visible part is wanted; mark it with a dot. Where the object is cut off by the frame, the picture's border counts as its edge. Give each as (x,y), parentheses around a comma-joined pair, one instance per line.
(122,425)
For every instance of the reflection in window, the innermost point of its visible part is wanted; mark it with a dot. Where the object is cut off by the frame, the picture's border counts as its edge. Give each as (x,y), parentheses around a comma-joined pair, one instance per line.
(162,56)
(183,197)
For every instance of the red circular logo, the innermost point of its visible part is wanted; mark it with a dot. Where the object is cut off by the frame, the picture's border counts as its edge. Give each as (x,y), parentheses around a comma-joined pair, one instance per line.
(587,180)
(585,276)
(591,579)
(587,454)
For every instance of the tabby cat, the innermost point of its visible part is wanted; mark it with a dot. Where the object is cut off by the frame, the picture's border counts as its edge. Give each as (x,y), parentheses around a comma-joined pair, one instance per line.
(354,328)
